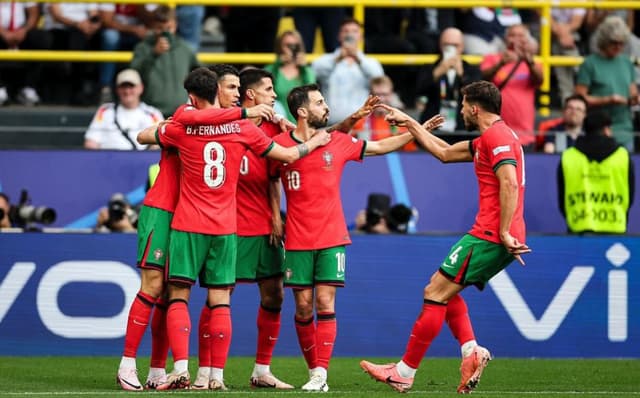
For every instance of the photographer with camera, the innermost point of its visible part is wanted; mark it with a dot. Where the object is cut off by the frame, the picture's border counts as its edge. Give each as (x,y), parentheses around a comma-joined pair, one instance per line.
(290,69)
(23,215)
(118,216)
(381,218)
(344,74)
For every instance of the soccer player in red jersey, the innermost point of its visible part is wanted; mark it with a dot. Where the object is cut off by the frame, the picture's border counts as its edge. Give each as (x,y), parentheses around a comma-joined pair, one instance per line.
(203,229)
(494,241)
(153,233)
(316,232)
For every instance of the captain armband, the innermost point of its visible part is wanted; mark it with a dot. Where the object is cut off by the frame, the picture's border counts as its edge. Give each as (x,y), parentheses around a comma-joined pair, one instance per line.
(303,150)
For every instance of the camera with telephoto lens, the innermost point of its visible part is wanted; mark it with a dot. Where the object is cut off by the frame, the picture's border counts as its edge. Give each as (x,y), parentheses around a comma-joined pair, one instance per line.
(23,214)
(119,207)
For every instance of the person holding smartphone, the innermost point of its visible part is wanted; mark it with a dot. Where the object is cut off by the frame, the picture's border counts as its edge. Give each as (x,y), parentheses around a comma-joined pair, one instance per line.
(163,60)
(344,74)
(441,82)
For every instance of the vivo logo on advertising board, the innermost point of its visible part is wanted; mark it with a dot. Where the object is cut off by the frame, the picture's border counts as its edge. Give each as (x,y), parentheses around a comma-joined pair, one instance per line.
(61,274)
(544,328)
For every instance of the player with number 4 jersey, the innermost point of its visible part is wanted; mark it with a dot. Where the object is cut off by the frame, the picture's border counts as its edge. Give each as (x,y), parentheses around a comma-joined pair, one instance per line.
(495,240)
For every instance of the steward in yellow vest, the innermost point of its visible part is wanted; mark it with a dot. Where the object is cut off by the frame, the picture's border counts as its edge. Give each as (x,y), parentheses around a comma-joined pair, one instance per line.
(596,181)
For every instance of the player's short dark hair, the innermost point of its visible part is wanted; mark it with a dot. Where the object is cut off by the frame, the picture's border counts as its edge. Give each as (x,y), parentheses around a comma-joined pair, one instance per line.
(299,97)
(224,69)
(595,122)
(203,83)
(249,78)
(163,14)
(484,94)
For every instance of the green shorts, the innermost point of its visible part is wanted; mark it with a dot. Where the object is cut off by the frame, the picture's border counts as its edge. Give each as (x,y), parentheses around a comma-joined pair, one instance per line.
(153,237)
(257,259)
(306,268)
(473,261)
(212,258)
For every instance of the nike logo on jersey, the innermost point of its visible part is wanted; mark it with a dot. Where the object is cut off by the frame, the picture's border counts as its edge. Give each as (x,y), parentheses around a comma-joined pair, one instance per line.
(340,275)
(445,265)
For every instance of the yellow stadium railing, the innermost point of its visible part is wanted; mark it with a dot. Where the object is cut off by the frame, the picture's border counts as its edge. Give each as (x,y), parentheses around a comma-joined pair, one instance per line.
(359,6)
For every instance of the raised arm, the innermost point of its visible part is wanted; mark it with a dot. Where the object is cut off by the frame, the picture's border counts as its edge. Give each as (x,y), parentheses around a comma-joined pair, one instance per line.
(365,110)
(291,154)
(148,136)
(446,153)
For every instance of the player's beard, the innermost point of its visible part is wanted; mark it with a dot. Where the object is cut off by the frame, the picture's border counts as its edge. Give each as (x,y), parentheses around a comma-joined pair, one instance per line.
(469,123)
(318,122)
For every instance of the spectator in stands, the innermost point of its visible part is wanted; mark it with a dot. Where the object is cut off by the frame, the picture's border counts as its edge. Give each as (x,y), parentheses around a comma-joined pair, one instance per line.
(565,26)
(190,24)
(74,26)
(484,29)
(308,19)
(374,127)
(290,69)
(344,74)
(441,82)
(123,29)
(116,125)
(607,79)
(241,25)
(163,60)
(5,206)
(381,218)
(556,135)
(18,30)
(596,180)
(517,76)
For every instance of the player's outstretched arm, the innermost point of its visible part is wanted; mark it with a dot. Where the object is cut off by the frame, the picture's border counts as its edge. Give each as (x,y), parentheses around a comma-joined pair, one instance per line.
(193,116)
(148,135)
(386,145)
(291,154)
(365,110)
(508,181)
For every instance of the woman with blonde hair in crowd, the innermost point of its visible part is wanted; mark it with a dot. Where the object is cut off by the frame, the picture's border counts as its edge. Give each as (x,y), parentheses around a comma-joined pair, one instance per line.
(290,69)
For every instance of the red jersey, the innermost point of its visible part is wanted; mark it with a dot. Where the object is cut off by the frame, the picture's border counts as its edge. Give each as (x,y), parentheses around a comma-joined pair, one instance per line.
(496,146)
(254,210)
(210,156)
(165,191)
(315,219)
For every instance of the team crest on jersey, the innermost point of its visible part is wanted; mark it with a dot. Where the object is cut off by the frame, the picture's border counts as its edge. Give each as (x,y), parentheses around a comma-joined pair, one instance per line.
(328,160)
(157,254)
(288,273)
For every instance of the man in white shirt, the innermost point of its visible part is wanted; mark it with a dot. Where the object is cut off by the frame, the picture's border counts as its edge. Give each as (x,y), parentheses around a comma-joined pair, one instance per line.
(115,125)
(344,74)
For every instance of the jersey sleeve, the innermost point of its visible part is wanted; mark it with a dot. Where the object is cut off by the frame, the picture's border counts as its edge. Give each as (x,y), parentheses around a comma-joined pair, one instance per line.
(257,140)
(192,116)
(500,151)
(169,134)
(352,147)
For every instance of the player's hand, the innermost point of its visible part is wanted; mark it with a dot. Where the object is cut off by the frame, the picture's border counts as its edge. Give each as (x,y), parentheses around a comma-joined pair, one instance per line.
(263,111)
(366,108)
(284,123)
(277,232)
(321,137)
(514,246)
(434,123)
(394,116)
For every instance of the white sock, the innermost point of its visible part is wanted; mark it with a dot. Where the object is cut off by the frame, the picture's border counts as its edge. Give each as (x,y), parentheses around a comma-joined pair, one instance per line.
(128,362)
(181,365)
(156,372)
(204,371)
(319,370)
(259,370)
(217,374)
(467,348)
(405,370)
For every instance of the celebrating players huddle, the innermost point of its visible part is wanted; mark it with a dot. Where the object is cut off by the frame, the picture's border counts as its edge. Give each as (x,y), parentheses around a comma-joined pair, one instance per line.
(213,214)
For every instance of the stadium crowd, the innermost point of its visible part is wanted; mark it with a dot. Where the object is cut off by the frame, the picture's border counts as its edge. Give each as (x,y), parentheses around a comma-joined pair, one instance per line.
(507,38)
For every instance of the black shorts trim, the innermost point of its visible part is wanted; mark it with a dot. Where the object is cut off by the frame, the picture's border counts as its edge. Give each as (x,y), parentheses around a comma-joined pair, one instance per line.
(148,265)
(226,285)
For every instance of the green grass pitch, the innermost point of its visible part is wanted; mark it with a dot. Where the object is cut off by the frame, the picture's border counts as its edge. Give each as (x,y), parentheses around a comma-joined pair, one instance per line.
(95,377)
